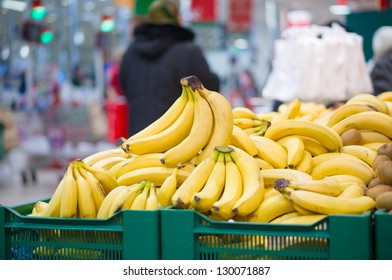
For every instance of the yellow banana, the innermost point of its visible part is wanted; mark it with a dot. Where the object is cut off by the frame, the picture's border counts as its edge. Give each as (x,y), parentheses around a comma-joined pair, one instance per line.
(136,189)
(371,136)
(152,202)
(39,206)
(389,105)
(223,122)
(252,181)
(325,204)
(371,100)
(346,180)
(98,156)
(105,177)
(385,96)
(168,188)
(242,140)
(364,153)
(270,151)
(69,197)
(232,190)
(323,134)
(304,219)
(155,175)
(295,150)
(270,209)
(289,110)
(347,110)
(327,185)
(245,123)
(284,217)
(118,201)
(108,163)
(343,166)
(314,147)
(376,121)
(263,164)
(198,136)
(202,201)
(271,175)
(96,188)
(325,157)
(258,130)
(352,191)
(140,200)
(374,146)
(269,116)
(305,165)
(302,210)
(167,138)
(243,112)
(86,202)
(194,182)
(103,211)
(167,119)
(54,204)
(270,192)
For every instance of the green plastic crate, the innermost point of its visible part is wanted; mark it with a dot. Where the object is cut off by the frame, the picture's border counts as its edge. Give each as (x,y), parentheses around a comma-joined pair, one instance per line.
(189,235)
(128,235)
(382,235)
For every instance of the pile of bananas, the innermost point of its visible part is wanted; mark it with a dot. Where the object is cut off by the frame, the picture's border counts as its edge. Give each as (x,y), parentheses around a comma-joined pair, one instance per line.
(290,166)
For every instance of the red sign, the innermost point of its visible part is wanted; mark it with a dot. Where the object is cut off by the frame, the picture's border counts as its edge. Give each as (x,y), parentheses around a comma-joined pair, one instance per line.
(240,15)
(203,10)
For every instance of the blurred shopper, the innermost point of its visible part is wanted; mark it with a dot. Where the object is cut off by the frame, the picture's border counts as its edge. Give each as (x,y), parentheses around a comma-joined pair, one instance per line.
(381,72)
(162,52)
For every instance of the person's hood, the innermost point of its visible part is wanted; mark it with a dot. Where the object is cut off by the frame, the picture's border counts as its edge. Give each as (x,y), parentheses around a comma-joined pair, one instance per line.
(152,40)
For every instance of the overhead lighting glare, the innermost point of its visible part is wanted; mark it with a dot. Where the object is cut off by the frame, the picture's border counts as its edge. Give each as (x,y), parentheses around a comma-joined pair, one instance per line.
(14,5)
(339,9)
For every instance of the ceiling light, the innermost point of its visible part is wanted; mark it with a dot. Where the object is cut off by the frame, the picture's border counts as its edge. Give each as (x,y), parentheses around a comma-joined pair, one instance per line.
(14,5)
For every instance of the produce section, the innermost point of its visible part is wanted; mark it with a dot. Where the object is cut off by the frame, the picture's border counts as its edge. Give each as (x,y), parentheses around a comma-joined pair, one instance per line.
(227,178)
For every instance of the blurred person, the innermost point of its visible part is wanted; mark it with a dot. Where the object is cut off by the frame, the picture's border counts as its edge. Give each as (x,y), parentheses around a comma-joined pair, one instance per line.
(381,63)
(161,53)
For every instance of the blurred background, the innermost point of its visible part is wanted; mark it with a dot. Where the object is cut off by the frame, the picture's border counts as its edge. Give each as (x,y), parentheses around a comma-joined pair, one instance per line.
(55,56)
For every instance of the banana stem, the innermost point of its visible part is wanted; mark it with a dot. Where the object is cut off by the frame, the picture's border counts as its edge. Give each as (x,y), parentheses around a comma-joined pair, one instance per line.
(191,81)
(224,149)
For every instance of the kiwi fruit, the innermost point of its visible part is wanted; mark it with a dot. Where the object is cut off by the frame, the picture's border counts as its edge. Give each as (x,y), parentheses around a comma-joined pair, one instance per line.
(378,159)
(351,137)
(374,182)
(385,149)
(384,172)
(384,201)
(377,190)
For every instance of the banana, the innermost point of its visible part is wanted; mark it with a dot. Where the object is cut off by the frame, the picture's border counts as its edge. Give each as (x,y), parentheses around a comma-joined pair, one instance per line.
(305,165)
(54,204)
(374,146)
(199,135)
(325,204)
(371,100)
(270,151)
(295,150)
(39,206)
(343,166)
(105,177)
(194,182)
(271,175)
(312,146)
(280,219)
(202,201)
(103,211)
(108,163)
(244,112)
(140,200)
(167,138)
(352,191)
(269,116)
(167,119)
(364,153)
(98,156)
(242,140)
(168,188)
(302,210)
(86,202)
(325,157)
(389,105)
(304,219)
(232,190)
(323,134)
(155,175)
(385,96)
(346,180)
(327,185)
(371,136)
(270,209)
(253,183)
(347,110)
(152,202)
(245,123)
(258,130)
(270,192)
(69,196)
(223,122)
(263,164)
(136,189)
(96,188)
(289,110)
(376,121)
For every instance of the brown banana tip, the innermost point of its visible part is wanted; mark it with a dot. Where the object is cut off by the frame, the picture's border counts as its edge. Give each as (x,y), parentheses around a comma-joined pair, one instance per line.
(216,209)
(196,198)
(162,160)
(192,81)
(235,210)
(120,141)
(179,202)
(280,184)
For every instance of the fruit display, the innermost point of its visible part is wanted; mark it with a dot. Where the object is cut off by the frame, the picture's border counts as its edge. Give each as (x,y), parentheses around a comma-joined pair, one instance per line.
(231,164)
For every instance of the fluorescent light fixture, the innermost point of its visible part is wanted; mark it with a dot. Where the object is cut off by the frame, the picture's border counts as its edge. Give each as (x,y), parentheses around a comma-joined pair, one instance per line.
(14,5)
(339,9)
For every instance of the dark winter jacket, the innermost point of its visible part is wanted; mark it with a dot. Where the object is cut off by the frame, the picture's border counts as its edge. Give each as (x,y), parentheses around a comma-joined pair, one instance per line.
(152,68)
(381,74)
